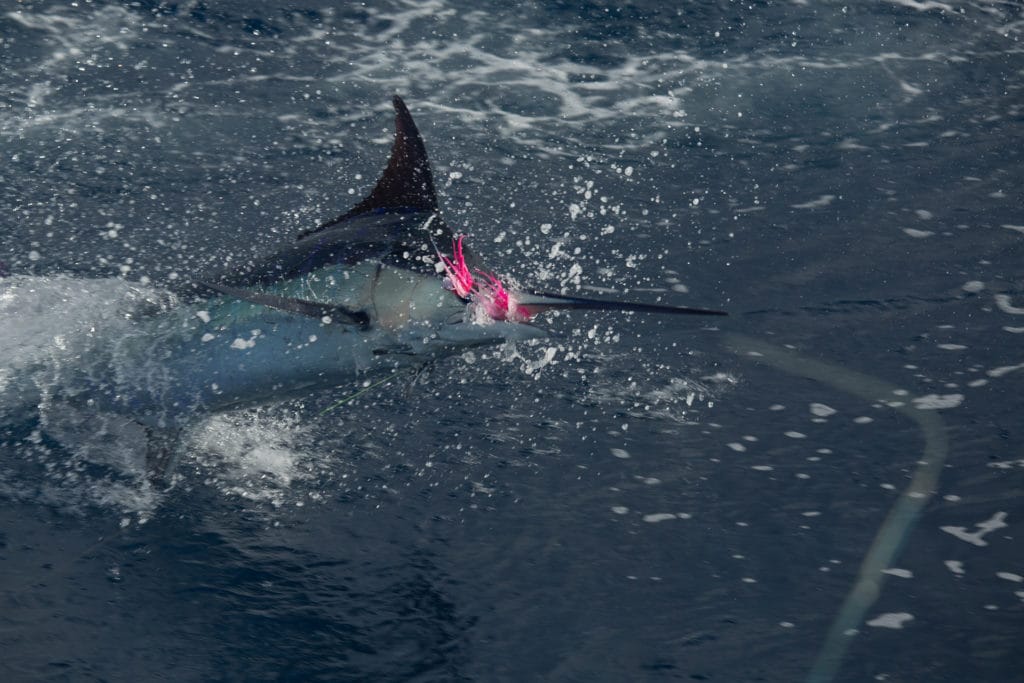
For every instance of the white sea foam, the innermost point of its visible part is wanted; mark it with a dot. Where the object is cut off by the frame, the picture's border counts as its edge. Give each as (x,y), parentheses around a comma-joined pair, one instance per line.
(822,201)
(891,620)
(45,323)
(1005,304)
(938,402)
(822,410)
(257,455)
(994,523)
(1006,369)
(552,89)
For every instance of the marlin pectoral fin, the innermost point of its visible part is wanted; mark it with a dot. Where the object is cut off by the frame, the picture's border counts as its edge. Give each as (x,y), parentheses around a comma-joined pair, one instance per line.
(538,302)
(310,309)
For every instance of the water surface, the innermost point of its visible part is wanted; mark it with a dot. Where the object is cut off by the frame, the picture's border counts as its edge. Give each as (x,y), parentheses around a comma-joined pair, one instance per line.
(638,498)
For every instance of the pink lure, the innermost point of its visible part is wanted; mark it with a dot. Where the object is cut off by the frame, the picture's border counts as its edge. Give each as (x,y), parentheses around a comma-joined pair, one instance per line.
(490,295)
(458,279)
(497,302)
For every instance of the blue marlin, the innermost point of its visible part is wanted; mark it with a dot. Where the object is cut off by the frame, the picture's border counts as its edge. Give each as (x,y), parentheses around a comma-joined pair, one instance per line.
(370,291)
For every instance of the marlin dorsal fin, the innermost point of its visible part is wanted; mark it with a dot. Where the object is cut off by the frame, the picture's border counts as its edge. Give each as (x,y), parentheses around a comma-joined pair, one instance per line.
(406,183)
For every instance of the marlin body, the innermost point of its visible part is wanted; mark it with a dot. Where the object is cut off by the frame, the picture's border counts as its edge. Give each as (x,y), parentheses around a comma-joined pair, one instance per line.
(371,290)
(229,352)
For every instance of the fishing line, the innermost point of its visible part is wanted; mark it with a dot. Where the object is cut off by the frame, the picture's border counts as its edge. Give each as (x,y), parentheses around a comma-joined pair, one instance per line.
(358,394)
(897,526)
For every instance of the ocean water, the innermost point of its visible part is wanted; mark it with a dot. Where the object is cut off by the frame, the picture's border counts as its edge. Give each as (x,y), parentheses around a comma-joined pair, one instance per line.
(824,486)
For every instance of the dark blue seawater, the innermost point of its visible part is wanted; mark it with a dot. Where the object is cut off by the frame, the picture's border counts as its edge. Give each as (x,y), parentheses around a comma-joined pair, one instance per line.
(825,486)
